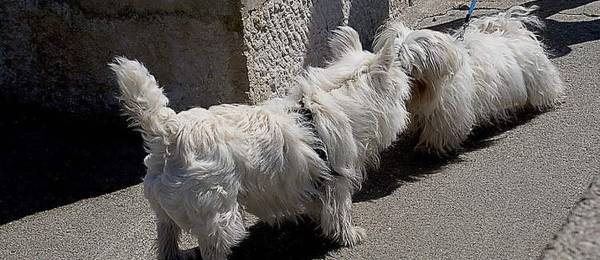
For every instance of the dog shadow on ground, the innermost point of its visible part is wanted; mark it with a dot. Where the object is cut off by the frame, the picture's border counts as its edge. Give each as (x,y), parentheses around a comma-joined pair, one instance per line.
(50,159)
(402,164)
(558,36)
(289,241)
(399,165)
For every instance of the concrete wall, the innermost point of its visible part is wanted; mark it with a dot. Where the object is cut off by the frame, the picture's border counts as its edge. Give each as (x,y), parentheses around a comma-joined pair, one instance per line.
(284,36)
(204,52)
(54,53)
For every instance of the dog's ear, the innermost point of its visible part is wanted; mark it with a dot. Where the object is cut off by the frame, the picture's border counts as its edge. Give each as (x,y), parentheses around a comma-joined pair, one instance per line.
(344,40)
(429,55)
(394,31)
(385,55)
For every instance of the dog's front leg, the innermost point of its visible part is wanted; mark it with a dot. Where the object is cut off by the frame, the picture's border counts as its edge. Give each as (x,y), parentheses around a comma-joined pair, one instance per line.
(336,217)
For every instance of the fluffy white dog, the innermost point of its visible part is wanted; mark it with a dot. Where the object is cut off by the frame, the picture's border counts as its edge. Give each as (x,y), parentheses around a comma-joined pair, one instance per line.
(479,75)
(305,153)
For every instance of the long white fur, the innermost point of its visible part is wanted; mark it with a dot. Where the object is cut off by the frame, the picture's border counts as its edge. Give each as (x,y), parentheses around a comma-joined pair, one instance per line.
(205,166)
(498,67)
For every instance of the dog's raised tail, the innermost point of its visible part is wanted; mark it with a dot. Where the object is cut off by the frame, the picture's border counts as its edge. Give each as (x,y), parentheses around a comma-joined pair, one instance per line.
(515,20)
(524,15)
(143,101)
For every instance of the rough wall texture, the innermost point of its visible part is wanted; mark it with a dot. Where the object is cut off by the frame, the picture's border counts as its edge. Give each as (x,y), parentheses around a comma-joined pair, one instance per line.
(54,53)
(284,36)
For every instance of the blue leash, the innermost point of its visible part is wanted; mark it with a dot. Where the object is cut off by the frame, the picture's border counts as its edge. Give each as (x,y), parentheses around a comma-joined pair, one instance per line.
(467,19)
(471,9)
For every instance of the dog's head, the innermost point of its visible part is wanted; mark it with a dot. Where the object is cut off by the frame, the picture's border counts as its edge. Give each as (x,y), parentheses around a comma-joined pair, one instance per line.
(425,55)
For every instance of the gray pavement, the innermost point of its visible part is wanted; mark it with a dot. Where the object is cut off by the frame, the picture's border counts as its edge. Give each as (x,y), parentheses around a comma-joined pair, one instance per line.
(520,193)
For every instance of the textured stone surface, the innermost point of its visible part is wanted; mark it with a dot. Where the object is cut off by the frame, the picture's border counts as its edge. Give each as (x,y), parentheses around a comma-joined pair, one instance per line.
(284,36)
(54,53)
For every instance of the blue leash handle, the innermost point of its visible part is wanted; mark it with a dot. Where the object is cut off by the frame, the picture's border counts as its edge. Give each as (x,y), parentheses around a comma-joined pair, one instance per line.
(471,9)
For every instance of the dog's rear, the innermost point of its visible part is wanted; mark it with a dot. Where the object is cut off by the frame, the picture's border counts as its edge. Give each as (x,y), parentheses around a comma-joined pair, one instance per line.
(458,82)
(512,22)
(542,78)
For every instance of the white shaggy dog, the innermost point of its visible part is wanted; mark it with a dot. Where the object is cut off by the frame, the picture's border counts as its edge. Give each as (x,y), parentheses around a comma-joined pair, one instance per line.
(481,75)
(305,153)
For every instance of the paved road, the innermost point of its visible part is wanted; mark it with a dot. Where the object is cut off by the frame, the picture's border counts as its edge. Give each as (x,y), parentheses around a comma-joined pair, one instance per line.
(505,197)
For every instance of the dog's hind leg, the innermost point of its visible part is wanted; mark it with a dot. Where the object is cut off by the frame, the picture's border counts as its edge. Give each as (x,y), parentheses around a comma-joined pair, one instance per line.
(336,217)
(168,237)
(218,231)
(167,230)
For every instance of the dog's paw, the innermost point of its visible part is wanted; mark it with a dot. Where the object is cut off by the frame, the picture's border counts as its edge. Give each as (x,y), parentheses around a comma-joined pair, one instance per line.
(353,237)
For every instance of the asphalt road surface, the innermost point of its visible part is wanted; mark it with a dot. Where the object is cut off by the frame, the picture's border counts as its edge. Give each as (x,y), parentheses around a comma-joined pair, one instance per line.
(518,191)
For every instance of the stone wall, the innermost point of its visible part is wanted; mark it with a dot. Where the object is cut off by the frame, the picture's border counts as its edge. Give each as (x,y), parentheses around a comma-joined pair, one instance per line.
(53,53)
(284,36)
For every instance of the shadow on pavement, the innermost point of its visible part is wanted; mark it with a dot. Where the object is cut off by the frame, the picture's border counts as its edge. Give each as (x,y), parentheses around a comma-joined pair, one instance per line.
(289,241)
(50,159)
(366,16)
(401,164)
(559,36)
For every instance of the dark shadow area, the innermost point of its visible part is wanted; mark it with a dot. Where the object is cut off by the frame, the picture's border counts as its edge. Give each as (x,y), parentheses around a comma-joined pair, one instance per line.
(289,241)
(401,164)
(557,36)
(366,16)
(482,137)
(51,159)
(325,16)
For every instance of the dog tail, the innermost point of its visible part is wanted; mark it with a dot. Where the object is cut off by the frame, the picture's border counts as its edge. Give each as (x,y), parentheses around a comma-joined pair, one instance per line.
(524,16)
(143,102)
(516,20)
